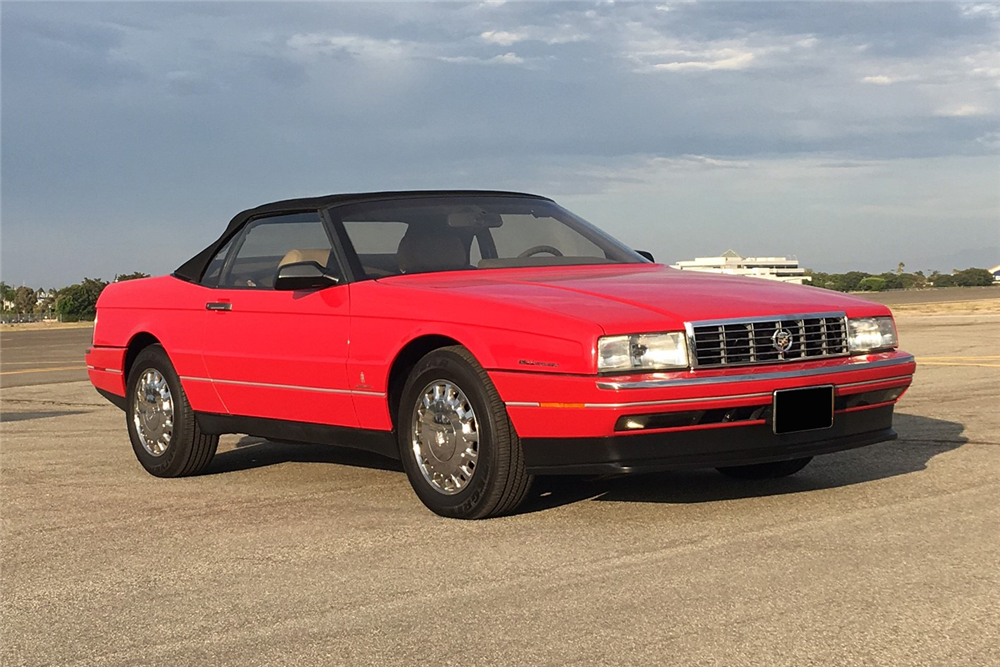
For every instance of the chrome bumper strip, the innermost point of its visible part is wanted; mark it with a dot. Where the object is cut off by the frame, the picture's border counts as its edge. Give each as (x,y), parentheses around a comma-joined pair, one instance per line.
(104,370)
(674,401)
(699,399)
(754,377)
(880,381)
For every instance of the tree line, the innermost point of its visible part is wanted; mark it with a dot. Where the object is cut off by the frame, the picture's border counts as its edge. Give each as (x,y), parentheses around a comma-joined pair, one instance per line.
(860,281)
(70,304)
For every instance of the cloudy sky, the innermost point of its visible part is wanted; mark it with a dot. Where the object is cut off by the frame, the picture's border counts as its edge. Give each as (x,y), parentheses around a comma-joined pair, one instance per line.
(848,135)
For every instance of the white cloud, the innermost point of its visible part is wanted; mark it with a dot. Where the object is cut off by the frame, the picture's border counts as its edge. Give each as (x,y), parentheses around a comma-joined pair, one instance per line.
(507,59)
(966,69)
(643,173)
(962,110)
(502,37)
(504,59)
(984,64)
(990,139)
(392,51)
(989,9)
(724,59)
(653,51)
(356,45)
(551,35)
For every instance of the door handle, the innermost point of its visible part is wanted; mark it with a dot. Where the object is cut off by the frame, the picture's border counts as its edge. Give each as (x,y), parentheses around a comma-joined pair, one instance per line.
(218,305)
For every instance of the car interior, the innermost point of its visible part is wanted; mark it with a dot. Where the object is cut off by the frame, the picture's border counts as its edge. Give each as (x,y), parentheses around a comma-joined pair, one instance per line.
(426,239)
(468,238)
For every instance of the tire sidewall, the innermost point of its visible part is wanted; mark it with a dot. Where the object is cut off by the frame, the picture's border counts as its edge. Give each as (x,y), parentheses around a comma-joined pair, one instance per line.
(445,365)
(155,358)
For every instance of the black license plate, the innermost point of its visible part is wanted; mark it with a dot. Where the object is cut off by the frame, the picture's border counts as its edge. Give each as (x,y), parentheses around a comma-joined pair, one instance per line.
(805,409)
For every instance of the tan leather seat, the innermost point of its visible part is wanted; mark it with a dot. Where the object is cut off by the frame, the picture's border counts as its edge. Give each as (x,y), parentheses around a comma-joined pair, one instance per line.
(319,255)
(431,249)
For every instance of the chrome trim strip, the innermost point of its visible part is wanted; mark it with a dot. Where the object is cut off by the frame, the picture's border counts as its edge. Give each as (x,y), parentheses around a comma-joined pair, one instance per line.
(860,384)
(765,318)
(669,401)
(104,370)
(701,399)
(692,345)
(270,385)
(753,377)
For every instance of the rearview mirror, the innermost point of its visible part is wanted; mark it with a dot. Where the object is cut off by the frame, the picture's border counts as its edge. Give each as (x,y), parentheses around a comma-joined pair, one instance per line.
(648,255)
(474,218)
(303,275)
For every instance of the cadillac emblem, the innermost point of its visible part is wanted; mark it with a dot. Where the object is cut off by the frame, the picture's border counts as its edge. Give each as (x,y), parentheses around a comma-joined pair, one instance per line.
(782,340)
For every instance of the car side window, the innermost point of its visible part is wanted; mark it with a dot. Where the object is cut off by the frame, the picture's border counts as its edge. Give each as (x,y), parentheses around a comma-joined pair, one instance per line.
(375,244)
(267,243)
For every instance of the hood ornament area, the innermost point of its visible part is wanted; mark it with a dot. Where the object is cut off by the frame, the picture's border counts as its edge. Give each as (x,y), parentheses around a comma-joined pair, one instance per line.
(782,340)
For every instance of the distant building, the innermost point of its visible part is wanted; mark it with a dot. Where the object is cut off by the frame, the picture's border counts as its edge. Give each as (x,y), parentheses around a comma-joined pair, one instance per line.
(996,273)
(732,263)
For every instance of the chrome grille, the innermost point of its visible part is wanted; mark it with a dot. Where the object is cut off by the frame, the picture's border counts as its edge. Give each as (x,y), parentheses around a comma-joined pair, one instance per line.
(751,341)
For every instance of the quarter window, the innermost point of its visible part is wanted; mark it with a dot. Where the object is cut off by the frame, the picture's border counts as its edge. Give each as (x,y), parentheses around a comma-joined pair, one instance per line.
(214,270)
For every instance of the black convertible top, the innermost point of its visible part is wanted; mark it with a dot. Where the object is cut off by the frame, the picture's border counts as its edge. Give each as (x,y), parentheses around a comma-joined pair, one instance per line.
(193,269)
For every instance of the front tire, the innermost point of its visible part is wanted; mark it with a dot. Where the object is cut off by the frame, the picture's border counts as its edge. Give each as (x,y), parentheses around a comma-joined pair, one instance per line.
(773,470)
(458,447)
(161,425)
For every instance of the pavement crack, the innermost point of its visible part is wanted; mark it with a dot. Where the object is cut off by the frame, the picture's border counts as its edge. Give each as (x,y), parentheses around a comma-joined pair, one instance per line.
(33,401)
(934,442)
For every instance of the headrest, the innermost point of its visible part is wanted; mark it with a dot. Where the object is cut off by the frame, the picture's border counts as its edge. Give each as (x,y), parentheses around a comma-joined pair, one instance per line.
(319,255)
(430,249)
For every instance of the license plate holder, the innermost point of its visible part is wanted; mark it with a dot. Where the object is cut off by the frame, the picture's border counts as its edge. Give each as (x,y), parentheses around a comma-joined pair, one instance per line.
(802,409)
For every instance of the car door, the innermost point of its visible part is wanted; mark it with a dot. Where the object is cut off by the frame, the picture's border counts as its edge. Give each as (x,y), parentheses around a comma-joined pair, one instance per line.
(271,353)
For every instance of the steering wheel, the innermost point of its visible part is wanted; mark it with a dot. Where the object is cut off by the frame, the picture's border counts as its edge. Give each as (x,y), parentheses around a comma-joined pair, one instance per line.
(534,250)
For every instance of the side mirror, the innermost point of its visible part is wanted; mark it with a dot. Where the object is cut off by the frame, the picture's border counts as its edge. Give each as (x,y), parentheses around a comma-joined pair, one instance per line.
(303,275)
(648,255)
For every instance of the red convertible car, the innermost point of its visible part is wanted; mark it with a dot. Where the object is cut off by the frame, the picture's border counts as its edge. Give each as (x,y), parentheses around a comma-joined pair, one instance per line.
(483,338)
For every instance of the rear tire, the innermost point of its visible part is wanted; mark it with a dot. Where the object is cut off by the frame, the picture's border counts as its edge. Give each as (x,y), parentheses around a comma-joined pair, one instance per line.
(161,425)
(458,447)
(773,470)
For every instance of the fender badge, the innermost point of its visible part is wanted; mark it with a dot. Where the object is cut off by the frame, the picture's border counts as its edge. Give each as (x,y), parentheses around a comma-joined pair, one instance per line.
(528,362)
(363,384)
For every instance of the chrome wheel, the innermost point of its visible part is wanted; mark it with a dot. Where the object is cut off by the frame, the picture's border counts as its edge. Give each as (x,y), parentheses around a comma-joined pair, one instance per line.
(153,413)
(445,437)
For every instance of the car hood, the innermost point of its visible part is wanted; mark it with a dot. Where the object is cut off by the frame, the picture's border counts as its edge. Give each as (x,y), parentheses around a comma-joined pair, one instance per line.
(640,297)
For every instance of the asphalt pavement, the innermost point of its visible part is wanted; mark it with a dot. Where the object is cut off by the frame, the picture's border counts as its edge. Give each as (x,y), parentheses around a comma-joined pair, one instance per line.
(43,356)
(309,555)
(935,295)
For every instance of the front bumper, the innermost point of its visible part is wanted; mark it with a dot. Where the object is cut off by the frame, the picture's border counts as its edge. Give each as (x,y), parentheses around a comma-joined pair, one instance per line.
(708,448)
(586,424)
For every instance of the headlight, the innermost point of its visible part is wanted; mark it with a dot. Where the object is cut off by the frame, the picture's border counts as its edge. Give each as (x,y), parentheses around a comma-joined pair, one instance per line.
(646,352)
(871,333)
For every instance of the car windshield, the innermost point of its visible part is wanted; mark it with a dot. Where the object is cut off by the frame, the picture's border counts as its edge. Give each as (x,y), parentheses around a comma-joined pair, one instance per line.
(461,233)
